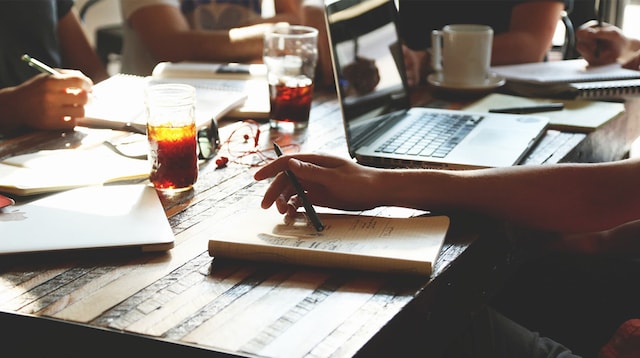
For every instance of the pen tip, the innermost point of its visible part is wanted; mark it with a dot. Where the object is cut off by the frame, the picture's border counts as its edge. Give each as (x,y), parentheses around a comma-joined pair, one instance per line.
(25,57)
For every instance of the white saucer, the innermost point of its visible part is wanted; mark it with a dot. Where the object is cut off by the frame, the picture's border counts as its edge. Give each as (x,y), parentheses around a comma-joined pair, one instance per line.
(492,81)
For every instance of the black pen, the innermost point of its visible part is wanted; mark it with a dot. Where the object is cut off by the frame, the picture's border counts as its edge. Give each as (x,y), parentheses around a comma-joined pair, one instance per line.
(600,16)
(311,213)
(546,107)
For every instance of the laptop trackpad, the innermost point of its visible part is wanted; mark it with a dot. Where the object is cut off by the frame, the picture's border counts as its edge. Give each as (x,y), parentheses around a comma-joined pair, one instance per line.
(490,147)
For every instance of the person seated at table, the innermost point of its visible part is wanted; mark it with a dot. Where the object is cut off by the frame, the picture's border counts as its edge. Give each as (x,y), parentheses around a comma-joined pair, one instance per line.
(612,45)
(523,30)
(592,207)
(50,32)
(188,30)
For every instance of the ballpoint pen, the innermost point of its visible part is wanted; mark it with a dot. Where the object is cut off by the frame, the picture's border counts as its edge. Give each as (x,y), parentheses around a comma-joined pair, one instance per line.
(546,107)
(42,67)
(311,213)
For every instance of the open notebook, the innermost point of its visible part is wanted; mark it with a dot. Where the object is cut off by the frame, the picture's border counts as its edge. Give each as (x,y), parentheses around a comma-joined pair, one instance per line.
(250,79)
(118,103)
(94,217)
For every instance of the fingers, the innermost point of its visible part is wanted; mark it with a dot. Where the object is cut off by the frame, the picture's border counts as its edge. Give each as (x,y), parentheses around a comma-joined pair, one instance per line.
(282,163)
(308,168)
(633,64)
(279,192)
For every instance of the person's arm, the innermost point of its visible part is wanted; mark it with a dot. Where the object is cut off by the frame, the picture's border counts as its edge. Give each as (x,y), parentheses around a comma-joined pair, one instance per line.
(287,11)
(312,14)
(168,37)
(566,198)
(530,34)
(76,50)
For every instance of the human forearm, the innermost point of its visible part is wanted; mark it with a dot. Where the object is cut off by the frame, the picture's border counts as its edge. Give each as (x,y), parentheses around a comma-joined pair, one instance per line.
(167,36)
(567,198)
(9,122)
(530,33)
(235,45)
(514,48)
(76,50)
(564,198)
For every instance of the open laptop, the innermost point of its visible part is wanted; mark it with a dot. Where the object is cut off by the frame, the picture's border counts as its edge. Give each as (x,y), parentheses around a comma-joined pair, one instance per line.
(96,217)
(376,109)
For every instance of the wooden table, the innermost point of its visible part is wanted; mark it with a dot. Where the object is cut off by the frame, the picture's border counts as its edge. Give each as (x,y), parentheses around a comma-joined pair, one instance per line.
(184,302)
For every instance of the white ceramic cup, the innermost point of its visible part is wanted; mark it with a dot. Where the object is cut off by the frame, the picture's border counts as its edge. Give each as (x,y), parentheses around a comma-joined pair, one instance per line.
(462,53)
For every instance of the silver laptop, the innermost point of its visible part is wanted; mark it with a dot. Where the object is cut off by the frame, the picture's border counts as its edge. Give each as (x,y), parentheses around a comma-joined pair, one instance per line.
(96,217)
(381,127)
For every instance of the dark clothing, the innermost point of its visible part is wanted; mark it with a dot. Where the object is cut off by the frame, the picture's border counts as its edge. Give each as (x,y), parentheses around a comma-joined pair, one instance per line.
(418,18)
(578,300)
(490,334)
(29,27)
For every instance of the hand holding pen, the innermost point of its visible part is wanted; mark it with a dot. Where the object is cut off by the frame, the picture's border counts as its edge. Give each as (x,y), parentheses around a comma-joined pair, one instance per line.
(608,39)
(310,211)
(51,102)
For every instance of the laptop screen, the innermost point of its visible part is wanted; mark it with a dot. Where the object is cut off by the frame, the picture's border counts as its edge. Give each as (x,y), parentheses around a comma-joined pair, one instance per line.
(368,63)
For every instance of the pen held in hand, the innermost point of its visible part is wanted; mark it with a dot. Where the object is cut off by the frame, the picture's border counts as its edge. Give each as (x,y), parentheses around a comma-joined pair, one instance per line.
(599,9)
(44,68)
(311,213)
(38,65)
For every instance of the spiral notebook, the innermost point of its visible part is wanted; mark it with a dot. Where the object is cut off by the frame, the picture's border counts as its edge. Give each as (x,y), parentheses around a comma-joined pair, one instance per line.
(571,79)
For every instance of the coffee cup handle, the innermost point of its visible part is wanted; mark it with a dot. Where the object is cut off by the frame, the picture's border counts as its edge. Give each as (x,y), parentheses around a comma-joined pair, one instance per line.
(436,50)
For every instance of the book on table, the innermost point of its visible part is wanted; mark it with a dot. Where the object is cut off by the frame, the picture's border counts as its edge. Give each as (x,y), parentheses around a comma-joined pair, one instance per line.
(583,116)
(571,79)
(404,245)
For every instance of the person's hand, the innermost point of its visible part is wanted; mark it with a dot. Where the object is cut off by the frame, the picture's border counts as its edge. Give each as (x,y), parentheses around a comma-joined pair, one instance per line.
(414,64)
(51,102)
(634,62)
(600,45)
(329,181)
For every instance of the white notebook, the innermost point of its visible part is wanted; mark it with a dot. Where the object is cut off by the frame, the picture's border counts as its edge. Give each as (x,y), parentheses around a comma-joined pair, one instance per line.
(119,101)
(566,71)
(94,217)
(571,79)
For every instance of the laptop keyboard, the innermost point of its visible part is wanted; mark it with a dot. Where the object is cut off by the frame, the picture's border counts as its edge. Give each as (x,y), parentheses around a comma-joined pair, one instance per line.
(554,147)
(431,134)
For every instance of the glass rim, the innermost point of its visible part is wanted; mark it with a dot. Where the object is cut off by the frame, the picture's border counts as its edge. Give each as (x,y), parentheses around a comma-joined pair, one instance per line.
(170,94)
(172,88)
(300,31)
